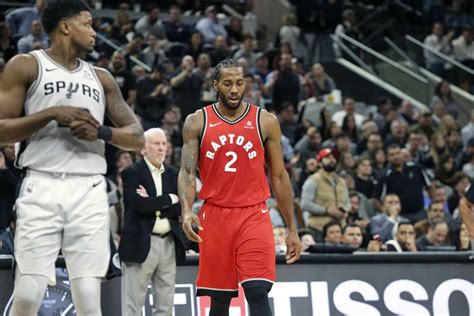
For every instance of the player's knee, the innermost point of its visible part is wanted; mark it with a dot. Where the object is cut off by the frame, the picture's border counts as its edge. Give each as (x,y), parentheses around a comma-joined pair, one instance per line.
(28,294)
(256,294)
(86,296)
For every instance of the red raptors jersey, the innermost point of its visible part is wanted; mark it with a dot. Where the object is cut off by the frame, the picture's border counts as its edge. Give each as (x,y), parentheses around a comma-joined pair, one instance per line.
(232,159)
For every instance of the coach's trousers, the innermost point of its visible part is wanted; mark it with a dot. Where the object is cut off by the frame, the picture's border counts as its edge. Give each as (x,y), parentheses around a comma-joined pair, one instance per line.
(159,268)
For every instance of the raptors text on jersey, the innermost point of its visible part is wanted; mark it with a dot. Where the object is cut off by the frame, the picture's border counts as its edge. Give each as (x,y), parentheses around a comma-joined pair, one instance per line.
(232,159)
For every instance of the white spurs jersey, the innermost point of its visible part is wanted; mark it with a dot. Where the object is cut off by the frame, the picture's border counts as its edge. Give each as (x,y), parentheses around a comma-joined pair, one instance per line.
(53,148)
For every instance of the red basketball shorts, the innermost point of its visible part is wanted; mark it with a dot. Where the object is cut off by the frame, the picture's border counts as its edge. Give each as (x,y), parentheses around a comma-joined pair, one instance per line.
(237,246)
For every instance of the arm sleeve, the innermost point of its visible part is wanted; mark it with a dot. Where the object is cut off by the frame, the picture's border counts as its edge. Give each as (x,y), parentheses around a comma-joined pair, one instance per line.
(307,197)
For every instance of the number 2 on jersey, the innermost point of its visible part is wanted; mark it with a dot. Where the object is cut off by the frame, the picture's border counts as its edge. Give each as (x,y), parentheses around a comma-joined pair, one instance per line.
(228,165)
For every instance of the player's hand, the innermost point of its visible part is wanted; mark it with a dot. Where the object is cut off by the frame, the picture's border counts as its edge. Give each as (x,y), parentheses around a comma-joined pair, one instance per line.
(293,247)
(83,130)
(65,115)
(189,218)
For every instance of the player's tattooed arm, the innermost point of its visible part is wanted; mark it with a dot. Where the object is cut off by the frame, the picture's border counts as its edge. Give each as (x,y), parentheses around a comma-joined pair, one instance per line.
(18,75)
(127,133)
(280,181)
(187,174)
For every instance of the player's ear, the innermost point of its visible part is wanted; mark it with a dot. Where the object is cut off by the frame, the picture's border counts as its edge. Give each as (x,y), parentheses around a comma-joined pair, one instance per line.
(64,27)
(215,83)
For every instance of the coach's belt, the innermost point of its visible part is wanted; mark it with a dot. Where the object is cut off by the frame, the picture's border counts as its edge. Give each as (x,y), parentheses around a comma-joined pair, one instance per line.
(162,235)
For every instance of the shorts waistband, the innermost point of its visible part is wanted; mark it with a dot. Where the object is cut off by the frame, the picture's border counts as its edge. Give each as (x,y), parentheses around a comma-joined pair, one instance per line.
(163,236)
(58,175)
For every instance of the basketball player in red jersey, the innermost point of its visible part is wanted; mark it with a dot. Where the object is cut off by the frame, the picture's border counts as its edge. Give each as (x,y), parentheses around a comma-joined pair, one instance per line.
(231,141)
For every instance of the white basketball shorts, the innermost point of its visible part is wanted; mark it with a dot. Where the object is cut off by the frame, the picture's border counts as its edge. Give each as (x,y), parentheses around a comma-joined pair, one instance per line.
(67,212)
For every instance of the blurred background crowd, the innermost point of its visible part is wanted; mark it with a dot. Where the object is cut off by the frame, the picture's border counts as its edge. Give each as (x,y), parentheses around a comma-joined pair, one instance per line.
(376,163)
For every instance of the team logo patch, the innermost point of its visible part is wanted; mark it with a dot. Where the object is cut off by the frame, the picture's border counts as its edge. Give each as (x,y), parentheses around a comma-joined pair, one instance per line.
(29,187)
(249,125)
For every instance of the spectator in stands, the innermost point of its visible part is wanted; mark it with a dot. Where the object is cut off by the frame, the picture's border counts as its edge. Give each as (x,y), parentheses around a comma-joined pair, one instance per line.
(347,27)
(374,142)
(368,128)
(408,112)
(290,33)
(346,163)
(406,180)
(349,128)
(438,147)
(467,131)
(153,97)
(123,77)
(437,236)
(443,94)
(317,82)
(459,236)
(461,183)
(468,167)
(6,239)
(279,234)
(440,43)
(454,142)
(309,145)
(283,85)
(121,27)
(404,239)
(171,124)
(7,46)
(151,23)
(445,170)
(134,48)
(364,180)
(206,73)
(8,183)
(332,233)
(358,214)
(307,240)
(288,123)
(195,45)
(417,153)
(153,54)
(352,236)
(252,92)
(234,31)
(384,106)
(342,144)
(325,195)
(221,50)
(177,30)
(435,210)
(425,124)
(36,39)
(247,50)
(310,167)
(261,69)
(349,108)
(187,87)
(209,25)
(463,46)
(378,159)
(398,133)
(386,223)
(441,195)
(21,19)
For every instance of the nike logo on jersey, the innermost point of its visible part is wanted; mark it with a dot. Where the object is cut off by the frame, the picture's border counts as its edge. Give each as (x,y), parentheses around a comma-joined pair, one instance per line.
(215,124)
(50,69)
(265,210)
(96,184)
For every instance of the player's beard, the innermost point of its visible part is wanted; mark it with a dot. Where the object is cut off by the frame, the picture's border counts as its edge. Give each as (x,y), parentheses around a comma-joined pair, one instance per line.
(221,98)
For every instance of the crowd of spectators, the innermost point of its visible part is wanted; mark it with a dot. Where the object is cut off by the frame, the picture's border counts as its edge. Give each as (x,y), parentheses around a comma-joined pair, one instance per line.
(381,177)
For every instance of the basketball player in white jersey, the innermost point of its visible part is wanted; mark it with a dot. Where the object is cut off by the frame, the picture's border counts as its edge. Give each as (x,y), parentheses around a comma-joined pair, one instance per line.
(54,103)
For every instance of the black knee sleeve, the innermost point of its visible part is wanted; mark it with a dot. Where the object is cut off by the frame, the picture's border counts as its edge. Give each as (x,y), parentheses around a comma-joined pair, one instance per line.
(257,297)
(220,306)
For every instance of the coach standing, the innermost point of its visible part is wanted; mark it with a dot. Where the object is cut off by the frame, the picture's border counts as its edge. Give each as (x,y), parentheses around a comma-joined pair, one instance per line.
(152,240)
